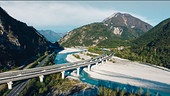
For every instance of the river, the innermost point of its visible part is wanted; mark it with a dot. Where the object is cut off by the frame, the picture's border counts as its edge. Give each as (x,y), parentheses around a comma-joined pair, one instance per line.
(84,77)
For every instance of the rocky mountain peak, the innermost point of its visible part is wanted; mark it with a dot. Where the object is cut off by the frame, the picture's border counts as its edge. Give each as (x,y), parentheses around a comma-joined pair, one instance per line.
(116,14)
(119,27)
(122,22)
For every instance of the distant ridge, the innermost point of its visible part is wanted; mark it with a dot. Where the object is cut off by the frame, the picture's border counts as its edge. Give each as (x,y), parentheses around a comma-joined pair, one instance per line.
(51,35)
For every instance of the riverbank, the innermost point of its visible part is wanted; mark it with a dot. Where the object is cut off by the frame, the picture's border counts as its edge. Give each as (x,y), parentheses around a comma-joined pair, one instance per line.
(68,50)
(71,58)
(132,73)
(61,58)
(128,72)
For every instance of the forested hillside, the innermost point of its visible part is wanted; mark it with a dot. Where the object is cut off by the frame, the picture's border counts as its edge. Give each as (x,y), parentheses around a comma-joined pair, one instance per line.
(152,47)
(18,42)
(114,31)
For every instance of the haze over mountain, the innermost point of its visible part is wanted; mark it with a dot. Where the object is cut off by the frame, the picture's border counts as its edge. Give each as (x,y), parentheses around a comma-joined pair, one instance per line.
(112,31)
(154,46)
(51,35)
(18,41)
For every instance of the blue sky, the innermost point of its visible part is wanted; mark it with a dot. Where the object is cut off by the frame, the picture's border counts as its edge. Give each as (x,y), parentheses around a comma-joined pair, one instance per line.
(63,16)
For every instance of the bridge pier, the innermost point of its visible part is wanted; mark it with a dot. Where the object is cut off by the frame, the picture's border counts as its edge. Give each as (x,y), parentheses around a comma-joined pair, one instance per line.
(41,78)
(97,63)
(10,85)
(62,74)
(78,71)
(89,67)
(100,59)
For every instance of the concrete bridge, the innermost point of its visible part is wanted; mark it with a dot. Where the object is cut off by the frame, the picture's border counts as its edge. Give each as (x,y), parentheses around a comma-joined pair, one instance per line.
(10,76)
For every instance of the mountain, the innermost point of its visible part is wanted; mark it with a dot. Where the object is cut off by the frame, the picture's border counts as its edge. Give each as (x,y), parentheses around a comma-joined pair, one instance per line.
(113,31)
(18,41)
(51,35)
(154,46)
(126,25)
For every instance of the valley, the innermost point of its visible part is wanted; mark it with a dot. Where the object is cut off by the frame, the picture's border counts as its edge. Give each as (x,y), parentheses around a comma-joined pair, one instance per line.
(122,54)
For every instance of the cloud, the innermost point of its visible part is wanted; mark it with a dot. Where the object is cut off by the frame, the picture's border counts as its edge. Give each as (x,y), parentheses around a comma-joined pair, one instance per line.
(54,13)
(45,15)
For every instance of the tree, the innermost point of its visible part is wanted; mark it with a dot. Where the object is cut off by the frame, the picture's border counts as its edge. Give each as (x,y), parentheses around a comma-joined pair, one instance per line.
(140,91)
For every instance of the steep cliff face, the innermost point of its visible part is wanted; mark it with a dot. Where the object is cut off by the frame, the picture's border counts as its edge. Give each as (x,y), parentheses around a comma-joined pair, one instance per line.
(18,41)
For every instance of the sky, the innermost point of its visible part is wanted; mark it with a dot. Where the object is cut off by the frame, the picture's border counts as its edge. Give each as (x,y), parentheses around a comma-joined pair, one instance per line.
(64,16)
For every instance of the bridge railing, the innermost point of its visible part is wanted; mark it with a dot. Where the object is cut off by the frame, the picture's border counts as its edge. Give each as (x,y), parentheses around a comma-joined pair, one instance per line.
(34,72)
(17,72)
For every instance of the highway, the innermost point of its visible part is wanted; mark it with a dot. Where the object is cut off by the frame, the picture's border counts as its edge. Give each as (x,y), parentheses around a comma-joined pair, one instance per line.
(9,73)
(18,88)
(38,71)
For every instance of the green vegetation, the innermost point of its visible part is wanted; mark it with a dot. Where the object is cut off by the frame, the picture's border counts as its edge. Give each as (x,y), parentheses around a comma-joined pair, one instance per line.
(147,55)
(111,32)
(51,82)
(36,62)
(154,46)
(31,65)
(104,91)
(95,50)
(35,87)
(50,60)
(93,34)
(4,69)
(76,55)
(20,42)
(158,56)
(4,90)
(127,54)
(114,43)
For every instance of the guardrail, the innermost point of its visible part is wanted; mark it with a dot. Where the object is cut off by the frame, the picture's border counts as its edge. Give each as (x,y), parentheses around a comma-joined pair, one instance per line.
(35,72)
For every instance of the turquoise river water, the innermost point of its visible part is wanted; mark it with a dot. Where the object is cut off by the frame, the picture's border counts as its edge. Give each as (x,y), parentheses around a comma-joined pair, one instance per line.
(84,77)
